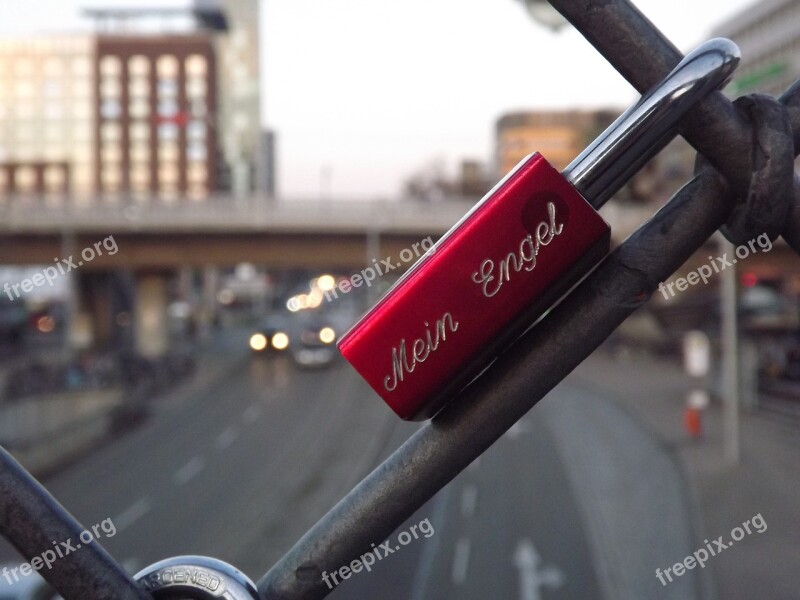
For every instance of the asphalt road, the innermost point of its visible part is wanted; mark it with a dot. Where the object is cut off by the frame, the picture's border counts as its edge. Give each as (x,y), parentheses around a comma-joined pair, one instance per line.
(239,465)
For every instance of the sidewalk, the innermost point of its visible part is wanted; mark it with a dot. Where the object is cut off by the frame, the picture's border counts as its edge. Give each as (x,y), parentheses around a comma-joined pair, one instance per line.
(766,481)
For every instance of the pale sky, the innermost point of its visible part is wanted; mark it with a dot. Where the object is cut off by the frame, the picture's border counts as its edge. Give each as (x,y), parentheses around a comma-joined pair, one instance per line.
(370,91)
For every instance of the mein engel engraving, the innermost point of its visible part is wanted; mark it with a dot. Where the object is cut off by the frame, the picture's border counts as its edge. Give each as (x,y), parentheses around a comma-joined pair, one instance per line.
(492,275)
(420,350)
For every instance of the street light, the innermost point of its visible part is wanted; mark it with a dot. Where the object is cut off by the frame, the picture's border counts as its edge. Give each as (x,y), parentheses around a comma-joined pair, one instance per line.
(543,13)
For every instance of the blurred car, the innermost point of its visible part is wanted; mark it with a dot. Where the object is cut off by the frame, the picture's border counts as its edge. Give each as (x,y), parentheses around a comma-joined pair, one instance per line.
(314,344)
(273,337)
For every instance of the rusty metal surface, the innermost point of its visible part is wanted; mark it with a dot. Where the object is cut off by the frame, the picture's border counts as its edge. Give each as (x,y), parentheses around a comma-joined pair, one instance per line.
(32,520)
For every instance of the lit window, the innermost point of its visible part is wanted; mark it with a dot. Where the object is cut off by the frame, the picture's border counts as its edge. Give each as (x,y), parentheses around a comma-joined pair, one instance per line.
(197,173)
(139,108)
(140,176)
(196,66)
(168,173)
(25,179)
(24,88)
(111,176)
(140,132)
(139,88)
(111,132)
(168,151)
(140,152)
(110,88)
(195,88)
(111,153)
(54,111)
(167,66)
(23,67)
(110,66)
(81,111)
(82,66)
(55,179)
(138,66)
(52,88)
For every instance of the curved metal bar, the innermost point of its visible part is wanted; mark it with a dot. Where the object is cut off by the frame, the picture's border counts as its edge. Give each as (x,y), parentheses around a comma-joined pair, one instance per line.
(32,520)
(645,128)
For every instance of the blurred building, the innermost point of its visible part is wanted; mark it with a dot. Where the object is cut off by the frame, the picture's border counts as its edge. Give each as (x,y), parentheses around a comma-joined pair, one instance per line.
(266,177)
(768,33)
(47,118)
(558,135)
(473,181)
(160,102)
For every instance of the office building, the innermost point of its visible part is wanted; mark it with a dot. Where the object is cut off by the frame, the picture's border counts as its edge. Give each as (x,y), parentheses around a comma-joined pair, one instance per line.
(169,110)
(768,34)
(558,135)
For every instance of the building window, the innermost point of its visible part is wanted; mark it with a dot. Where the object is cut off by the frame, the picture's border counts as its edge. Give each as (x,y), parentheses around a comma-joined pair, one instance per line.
(167,67)
(139,66)
(196,66)
(55,179)
(110,66)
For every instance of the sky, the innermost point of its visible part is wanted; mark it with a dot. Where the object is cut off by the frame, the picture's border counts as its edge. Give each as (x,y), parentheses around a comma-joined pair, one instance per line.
(363,93)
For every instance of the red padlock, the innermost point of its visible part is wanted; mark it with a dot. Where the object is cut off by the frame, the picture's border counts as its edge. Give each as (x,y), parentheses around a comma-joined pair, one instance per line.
(520,249)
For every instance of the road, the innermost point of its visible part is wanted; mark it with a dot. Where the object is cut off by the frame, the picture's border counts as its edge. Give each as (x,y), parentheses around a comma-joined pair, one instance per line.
(240,465)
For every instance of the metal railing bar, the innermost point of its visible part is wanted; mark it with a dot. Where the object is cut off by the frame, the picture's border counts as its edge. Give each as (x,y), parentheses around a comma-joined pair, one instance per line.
(34,522)
(643,56)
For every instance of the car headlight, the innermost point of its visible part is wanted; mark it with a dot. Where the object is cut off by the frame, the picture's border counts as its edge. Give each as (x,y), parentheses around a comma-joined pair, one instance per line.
(280,341)
(327,335)
(258,342)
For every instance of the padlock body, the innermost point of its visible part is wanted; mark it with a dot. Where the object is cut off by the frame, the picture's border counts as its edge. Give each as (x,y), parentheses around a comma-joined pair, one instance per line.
(477,289)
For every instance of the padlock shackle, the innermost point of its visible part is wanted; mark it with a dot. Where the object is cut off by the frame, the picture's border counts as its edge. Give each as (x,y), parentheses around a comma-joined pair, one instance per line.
(644,129)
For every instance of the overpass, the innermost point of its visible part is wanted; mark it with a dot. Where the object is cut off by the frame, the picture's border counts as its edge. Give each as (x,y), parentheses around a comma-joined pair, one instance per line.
(159,244)
(224,231)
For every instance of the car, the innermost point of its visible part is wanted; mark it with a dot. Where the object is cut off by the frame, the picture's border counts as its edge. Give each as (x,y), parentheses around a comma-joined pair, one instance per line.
(273,337)
(314,343)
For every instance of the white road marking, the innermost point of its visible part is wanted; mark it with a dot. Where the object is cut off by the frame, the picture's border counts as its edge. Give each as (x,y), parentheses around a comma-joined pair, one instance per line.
(252,413)
(461,561)
(227,437)
(133,513)
(189,470)
(532,576)
(469,498)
